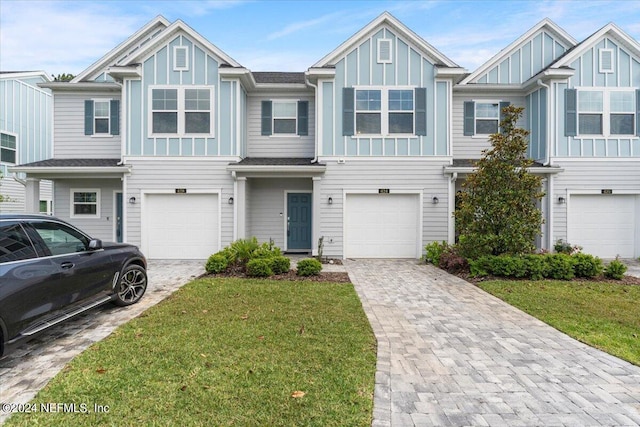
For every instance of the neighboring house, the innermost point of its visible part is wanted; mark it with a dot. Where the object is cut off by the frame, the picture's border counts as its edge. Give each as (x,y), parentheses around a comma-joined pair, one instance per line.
(169,143)
(25,136)
(582,106)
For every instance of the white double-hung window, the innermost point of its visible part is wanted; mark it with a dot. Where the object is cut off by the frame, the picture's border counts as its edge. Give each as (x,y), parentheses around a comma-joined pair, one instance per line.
(623,111)
(606,112)
(181,111)
(285,116)
(384,111)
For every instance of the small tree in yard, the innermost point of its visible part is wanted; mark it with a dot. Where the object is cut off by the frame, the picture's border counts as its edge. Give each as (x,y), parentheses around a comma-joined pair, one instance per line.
(498,211)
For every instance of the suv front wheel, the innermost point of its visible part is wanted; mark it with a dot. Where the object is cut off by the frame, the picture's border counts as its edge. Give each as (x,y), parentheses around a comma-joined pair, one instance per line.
(131,285)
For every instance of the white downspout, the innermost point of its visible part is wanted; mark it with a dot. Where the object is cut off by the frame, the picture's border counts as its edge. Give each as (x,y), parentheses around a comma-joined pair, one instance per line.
(315,119)
(550,196)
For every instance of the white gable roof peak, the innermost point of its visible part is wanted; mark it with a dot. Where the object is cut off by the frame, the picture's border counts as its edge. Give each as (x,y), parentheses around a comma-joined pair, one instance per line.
(546,24)
(611,30)
(384,19)
(170,32)
(145,33)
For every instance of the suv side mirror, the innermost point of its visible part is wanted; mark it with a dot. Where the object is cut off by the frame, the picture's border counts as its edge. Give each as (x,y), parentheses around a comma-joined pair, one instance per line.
(95,244)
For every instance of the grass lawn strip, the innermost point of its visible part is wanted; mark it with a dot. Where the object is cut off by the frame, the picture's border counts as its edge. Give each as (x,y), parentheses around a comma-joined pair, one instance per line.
(227,352)
(603,315)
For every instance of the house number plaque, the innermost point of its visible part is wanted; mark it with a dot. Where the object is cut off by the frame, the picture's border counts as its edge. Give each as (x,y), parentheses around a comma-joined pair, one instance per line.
(606,191)
(383,191)
(181,191)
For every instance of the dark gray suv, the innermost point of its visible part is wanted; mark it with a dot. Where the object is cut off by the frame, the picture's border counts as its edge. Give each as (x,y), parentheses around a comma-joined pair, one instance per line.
(50,271)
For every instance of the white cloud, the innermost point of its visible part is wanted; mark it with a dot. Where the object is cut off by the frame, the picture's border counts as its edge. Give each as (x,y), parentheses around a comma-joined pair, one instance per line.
(60,37)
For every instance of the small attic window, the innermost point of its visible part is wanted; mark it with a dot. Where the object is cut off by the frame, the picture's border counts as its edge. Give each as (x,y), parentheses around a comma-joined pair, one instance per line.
(180,58)
(384,51)
(606,60)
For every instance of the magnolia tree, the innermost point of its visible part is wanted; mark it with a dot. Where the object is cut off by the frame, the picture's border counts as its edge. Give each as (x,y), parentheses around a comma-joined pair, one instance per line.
(498,207)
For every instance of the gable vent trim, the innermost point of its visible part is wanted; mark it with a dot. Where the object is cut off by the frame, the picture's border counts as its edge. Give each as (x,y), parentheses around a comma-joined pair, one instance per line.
(180,58)
(384,51)
(606,60)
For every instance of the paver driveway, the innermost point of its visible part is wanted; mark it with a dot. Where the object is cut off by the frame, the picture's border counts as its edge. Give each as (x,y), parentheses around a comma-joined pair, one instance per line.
(451,354)
(25,372)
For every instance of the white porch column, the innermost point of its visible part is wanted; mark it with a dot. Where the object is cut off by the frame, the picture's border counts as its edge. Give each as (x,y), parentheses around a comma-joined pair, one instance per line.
(315,214)
(241,207)
(451,234)
(32,196)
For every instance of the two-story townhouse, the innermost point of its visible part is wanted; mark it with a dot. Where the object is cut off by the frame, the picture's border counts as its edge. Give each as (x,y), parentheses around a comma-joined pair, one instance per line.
(25,136)
(582,108)
(169,143)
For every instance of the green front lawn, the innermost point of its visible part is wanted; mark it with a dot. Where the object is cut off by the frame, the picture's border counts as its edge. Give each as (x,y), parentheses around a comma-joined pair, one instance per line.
(227,352)
(603,315)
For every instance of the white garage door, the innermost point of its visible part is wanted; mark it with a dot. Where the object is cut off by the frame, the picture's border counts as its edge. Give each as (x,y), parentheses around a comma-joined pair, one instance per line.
(604,225)
(180,226)
(382,225)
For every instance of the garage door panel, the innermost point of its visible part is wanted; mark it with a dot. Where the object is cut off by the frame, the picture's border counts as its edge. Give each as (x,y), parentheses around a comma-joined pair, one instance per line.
(604,225)
(181,226)
(381,226)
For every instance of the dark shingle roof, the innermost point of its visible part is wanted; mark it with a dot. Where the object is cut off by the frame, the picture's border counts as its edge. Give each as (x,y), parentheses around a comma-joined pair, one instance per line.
(74,163)
(277,161)
(278,77)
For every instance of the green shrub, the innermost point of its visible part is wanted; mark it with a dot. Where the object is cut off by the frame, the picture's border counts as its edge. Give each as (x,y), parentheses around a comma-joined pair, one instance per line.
(560,266)
(259,267)
(615,269)
(480,267)
(508,266)
(242,250)
(563,247)
(537,266)
(266,250)
(433,251)
(280,264)
(309,267)
(217,263)
(585,265)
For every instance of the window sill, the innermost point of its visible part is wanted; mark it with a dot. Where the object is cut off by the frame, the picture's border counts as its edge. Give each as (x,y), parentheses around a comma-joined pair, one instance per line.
(186,135)
(85,216)
(285,135)
(392,135)
(102,135)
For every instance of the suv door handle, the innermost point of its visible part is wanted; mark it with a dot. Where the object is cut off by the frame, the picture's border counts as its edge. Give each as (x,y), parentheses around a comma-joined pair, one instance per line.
(67,265)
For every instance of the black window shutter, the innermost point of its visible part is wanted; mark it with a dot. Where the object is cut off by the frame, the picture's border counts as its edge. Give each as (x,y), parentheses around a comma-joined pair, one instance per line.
(266,118)
(421,111)
(347,111)
(638,112)
(570,112)
(469,118)
(114,111)
(303,117)
(88,117)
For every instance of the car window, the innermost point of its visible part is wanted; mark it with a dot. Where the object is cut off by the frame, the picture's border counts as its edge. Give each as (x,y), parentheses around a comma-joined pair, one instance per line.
(14,243)
(61,239)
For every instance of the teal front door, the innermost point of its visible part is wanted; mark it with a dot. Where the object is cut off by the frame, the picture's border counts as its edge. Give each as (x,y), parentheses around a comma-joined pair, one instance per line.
(298,221)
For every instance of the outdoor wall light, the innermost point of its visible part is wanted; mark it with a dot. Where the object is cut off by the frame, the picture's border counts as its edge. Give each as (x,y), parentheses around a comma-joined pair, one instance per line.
(132,200)
(230,200)
(561,200)
(435,200)
(330,201)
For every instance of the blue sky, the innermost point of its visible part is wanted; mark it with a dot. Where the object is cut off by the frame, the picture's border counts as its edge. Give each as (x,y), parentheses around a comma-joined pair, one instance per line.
(270,35)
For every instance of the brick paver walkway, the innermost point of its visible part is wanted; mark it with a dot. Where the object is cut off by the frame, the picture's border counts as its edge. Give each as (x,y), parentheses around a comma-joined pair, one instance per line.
(451,354)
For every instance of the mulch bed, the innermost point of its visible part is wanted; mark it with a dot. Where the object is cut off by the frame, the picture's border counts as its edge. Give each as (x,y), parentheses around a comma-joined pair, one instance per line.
(324,276)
